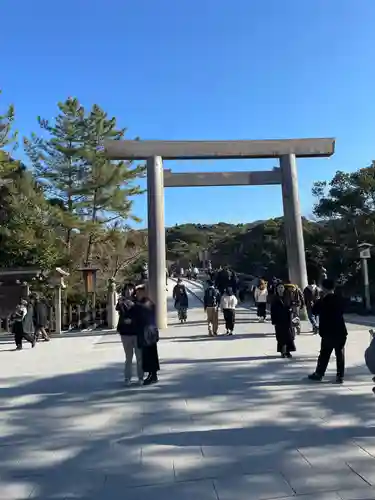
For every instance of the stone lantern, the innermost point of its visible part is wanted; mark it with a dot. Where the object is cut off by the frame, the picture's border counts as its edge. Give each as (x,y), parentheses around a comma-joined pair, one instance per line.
(89,279)
(365,254)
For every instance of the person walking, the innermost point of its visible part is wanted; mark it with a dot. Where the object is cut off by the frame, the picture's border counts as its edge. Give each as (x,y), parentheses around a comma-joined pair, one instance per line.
(147,333)
(295,300)
(260,297)
(228,305)
(333,332)
(181,301)
(311,296)
(223,279)
(40,319)
(127,329)
(18,326)
(29,321)
(211,303)
(281,317)
(370,356)
(233,282)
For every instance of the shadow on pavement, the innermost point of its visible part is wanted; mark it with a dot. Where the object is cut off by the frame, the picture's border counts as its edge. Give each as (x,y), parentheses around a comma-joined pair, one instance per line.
(83,433)
(221,338)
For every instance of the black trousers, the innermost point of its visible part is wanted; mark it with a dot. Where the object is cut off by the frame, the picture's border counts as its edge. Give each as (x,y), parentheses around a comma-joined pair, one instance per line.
(229,318)
(262,310)
(326,348)
(19,334)
(150,359)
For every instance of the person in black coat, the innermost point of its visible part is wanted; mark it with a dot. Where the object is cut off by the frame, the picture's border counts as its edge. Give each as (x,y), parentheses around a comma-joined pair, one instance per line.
(144,317)
(223,280)
(181,300)
(281,317)
(332,329)
(40,318)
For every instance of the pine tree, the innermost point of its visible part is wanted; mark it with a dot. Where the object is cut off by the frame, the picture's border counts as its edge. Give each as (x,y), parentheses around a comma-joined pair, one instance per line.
(8,140)
(6,121)
(108,185)
(91,192)
(58,164)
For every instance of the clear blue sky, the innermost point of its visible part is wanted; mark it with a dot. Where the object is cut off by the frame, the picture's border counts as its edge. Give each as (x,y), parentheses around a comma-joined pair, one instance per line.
(204,69)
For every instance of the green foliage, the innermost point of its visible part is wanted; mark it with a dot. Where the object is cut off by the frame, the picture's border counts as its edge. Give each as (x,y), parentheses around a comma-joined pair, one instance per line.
(26,236)
(73,207)
(87,191)
(7,137)
(58,165)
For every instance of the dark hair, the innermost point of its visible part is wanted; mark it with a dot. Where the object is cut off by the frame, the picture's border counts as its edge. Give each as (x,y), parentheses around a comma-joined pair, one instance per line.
(127,286)
(328,284)
(229,290)
(210,282)
(311,281)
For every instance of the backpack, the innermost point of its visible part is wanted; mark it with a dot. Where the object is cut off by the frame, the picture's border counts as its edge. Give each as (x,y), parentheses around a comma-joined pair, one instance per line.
(151,335)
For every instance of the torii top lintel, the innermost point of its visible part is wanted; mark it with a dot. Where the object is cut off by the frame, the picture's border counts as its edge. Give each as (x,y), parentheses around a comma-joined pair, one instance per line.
(205,150)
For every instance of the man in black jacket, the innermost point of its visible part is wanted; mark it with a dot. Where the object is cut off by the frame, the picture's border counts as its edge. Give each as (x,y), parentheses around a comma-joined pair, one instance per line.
(333,331)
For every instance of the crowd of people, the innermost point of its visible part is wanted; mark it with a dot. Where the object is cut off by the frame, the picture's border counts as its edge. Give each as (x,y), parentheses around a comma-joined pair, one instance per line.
(284,301)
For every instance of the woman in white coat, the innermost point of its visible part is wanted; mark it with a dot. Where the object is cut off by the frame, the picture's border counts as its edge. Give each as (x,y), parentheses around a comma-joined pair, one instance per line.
(260,296)
(228,305)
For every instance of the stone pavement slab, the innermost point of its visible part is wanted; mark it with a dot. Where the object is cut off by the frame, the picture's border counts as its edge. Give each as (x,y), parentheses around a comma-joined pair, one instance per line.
(228,420)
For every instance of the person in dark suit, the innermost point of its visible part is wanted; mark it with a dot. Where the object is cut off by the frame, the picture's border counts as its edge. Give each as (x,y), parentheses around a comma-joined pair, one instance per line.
(332,329)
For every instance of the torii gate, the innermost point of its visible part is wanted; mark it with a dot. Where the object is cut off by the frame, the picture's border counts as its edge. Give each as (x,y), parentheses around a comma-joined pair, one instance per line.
(155,151)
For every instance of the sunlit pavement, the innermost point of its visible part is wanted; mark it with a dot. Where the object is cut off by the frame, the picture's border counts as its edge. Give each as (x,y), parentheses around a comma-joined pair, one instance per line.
(229,420)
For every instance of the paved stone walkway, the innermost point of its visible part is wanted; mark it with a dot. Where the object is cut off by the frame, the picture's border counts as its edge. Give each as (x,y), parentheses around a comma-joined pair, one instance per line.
(229,420)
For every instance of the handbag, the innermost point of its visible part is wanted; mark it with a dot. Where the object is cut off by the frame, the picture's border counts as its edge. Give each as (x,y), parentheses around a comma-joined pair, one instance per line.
(151,335)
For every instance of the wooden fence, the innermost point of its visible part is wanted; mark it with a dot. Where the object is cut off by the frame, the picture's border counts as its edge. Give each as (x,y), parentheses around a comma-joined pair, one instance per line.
(74,317)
